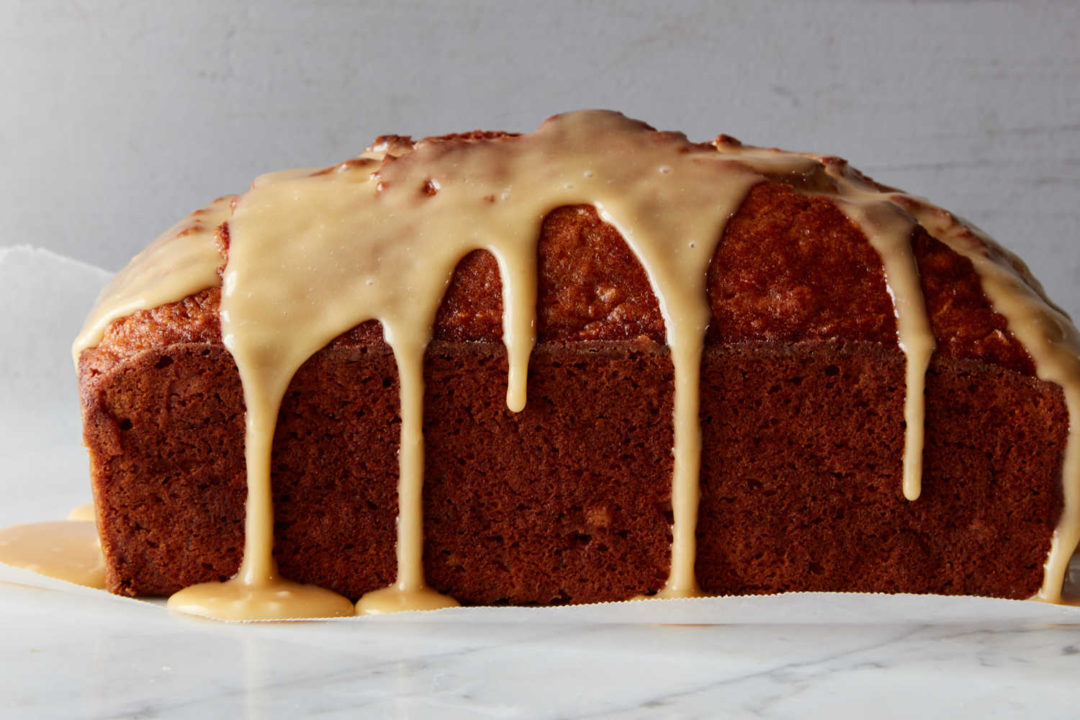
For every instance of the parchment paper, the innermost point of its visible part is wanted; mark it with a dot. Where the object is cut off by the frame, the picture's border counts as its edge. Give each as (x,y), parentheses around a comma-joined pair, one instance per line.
(43,474)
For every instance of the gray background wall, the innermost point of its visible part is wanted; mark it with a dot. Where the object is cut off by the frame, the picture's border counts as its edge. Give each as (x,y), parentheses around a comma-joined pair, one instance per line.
(120,117)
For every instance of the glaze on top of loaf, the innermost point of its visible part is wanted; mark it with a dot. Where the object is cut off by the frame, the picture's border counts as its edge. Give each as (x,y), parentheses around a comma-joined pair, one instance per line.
(790,268)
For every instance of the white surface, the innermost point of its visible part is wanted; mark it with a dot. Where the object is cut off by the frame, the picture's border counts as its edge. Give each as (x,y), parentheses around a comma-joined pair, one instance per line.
(73,652)
(63,661)
(43,466)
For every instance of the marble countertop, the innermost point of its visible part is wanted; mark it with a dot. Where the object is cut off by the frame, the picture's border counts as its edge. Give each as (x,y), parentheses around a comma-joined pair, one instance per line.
(70,654)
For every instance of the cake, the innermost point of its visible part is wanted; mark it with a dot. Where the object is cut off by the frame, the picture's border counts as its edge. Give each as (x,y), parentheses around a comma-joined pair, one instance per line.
(592,363)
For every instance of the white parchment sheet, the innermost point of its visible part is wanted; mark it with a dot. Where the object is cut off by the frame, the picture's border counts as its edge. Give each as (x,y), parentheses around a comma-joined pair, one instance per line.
(43,474)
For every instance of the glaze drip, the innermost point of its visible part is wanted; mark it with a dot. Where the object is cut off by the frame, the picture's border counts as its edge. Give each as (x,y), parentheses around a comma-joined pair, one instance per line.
(888,228)
(182,261)
(66,550)
(1048,335)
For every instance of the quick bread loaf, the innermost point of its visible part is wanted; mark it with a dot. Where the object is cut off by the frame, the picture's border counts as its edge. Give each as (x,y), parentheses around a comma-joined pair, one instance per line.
(595,362)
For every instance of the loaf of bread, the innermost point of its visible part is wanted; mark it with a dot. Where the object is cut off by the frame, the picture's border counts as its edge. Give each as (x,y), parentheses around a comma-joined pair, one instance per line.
(831,457)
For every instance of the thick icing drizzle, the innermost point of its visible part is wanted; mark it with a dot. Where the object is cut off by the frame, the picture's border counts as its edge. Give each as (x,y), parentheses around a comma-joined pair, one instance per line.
(888,228)
(410,592)
(351,239)
(67,550)
(1051,340)
(180,262)
(889,232)
(313,254)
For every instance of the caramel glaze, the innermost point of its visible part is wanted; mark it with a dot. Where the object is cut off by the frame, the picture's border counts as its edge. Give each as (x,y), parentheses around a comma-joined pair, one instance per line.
(66,550)
(440,201)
